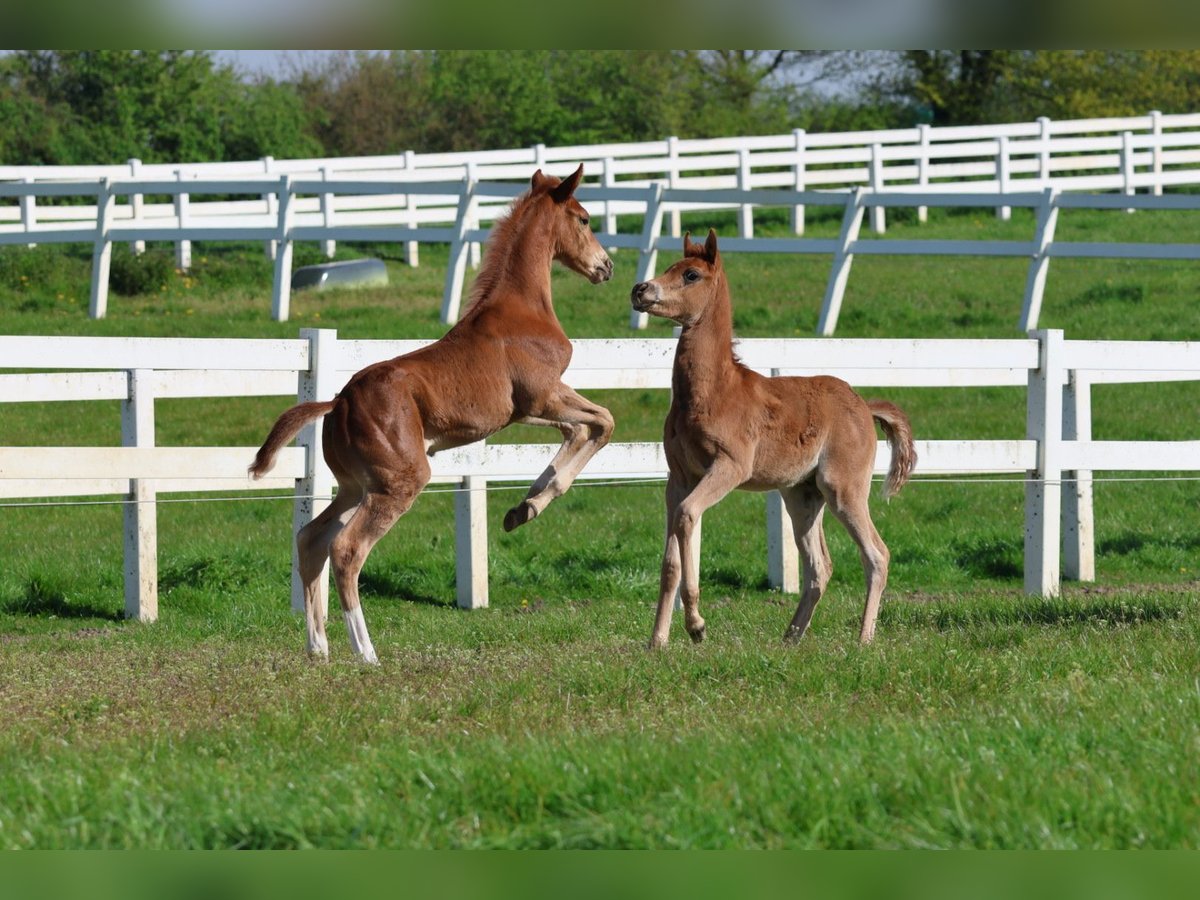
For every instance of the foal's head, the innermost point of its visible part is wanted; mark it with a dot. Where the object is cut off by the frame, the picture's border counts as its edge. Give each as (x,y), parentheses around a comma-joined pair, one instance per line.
(575,244)
(686,290)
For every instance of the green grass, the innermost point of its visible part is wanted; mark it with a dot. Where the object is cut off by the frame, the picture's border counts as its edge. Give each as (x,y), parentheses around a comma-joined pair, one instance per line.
(980,718)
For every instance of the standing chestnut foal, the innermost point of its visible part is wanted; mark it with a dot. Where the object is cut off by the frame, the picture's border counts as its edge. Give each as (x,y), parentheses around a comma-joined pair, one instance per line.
(812,439)
(501,363)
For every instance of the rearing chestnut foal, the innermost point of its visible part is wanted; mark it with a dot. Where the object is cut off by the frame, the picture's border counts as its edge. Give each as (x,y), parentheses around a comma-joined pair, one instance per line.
(812,439)
(501,363)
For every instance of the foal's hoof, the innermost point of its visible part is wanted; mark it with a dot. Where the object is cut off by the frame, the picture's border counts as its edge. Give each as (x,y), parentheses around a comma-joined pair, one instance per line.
(521,514)
(699,634)
(792,635)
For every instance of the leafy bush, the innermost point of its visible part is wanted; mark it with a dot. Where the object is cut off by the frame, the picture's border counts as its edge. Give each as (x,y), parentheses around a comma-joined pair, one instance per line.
(147,273)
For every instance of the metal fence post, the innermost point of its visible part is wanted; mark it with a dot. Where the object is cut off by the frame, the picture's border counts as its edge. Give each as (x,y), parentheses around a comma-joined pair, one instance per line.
(1043,492)
(141,512)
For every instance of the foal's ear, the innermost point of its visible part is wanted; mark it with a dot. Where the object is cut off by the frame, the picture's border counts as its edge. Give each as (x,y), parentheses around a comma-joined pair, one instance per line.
(710,248)
(538,180)
(566,188)
(690,247)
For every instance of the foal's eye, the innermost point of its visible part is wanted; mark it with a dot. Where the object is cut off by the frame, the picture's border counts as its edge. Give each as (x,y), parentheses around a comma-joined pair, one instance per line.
(691,276)
(583,220)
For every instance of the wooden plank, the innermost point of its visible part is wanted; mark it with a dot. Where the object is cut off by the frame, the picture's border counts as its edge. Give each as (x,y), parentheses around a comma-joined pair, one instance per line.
(243,354)
(199,463)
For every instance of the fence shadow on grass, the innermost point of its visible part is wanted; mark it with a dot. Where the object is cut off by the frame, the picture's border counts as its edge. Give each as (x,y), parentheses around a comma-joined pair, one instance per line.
(43,600)
(397,586)
(1076,607)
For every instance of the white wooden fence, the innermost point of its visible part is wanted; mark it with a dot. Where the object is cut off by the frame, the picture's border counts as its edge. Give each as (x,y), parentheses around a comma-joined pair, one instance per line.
(286,225)
(1056,453)
(416,198)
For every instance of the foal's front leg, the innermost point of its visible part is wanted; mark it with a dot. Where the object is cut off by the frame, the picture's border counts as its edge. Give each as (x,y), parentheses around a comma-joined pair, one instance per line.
(585,426)
(721,478)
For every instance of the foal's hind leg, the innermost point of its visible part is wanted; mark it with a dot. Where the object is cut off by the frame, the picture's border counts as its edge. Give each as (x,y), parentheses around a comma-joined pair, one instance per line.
(806,507)
(312,549)
(585,426)
(849,504)
(376,514)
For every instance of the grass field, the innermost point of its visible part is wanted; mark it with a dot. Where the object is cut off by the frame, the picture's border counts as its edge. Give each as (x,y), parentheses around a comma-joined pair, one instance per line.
(980,718)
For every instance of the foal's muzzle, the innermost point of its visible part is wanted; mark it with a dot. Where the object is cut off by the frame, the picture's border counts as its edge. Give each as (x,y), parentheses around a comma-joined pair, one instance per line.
(643,296)
(602,271)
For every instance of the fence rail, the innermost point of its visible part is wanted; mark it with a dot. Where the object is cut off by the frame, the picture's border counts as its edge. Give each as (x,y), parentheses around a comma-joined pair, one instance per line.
(1056,453)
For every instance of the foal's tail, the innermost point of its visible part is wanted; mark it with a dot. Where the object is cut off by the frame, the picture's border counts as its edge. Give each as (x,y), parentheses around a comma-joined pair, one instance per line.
(286,428)
(898,431)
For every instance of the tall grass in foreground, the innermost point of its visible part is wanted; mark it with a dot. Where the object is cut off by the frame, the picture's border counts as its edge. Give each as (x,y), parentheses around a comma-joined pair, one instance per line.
(981,718)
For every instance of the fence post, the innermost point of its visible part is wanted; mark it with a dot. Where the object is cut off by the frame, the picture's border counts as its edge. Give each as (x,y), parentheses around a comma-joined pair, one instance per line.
(328,246)
(315,489)
(1079,537)
(183,247)
(476,252)
(878,217)
(1044,152)
(141,511)
(136,205)
(1002,175)
(101,252)
(746,213)
(651,230)
(281,293)
(1043,492)
(1127,165)
(1039,264)
(609,179)
(800,170)
(412,252)
(456,270)
(835,290)
(28,210)
(1156,165)
(923,168)
(783,558)
(471,543)
(270,247)
(673,181)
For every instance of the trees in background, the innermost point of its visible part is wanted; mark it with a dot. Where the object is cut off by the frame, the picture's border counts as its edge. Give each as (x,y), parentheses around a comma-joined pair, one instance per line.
(966,87)
(106,106)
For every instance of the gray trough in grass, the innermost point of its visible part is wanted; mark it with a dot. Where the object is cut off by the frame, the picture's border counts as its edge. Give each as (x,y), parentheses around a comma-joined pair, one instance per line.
(345,274)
